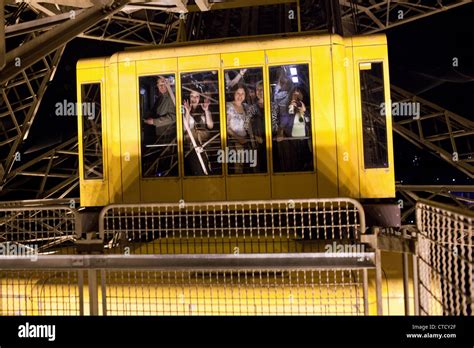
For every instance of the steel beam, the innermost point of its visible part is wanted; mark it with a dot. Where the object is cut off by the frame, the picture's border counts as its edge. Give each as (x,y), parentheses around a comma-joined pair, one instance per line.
(373,16)
(38,24)
(448,135)
(32,51)
(410,194)
(2,34)
(276,261)
(55,172)
(19,102)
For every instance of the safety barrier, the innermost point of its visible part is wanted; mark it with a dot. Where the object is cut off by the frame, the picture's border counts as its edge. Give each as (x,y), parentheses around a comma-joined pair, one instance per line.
(445,259)
(237,227)
(251,284)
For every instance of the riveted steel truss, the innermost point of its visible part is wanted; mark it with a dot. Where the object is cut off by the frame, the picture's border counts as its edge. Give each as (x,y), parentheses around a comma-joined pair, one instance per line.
(461,196)
(446,134)
(53,173)
(19,100)
(370,16)
(159,22)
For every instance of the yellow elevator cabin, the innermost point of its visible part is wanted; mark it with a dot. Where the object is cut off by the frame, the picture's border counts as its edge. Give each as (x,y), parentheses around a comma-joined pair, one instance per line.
(111,168)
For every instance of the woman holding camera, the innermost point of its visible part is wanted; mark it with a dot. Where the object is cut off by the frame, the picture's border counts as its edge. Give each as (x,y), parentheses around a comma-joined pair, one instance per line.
(294,135)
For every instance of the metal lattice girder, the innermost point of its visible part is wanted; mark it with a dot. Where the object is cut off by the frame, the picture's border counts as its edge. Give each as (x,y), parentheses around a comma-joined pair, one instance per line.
(457,195)
(55,172)
(373,16)
(154,25)
(139,28)
(35,49)
(23,81)
(447,134)
(19,101)
(2,35)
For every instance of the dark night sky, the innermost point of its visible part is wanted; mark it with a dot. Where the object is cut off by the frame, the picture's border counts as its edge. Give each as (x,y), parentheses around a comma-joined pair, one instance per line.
(425,46)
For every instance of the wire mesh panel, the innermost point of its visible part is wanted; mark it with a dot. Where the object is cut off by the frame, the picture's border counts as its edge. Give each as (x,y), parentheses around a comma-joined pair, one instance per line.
(445,252)
(231,292)
(264,284)
(39,292)
(37,229)
(277,226)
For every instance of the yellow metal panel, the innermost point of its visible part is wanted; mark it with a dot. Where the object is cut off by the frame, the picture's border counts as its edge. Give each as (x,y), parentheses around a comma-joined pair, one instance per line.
(91,63)
(367,40)
(374,182)
(199,63)
(156,66)
(129,131)
(301,185)
(347,165)
(219,46)
(324,123)
(289,55)
(93,192)
(243,59)
(204,189)
(113,139)
(250,186)
(353,124)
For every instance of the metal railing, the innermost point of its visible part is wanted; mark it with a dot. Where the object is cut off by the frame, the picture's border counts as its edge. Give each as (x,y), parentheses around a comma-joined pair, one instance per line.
(234,227)
(445,259)
(252,284)
(211,258)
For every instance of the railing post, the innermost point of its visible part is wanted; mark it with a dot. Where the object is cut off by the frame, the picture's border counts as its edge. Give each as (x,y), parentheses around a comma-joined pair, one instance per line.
(80,283)
(103,291)
(365,284)
(93,293)
(378,280)
(406,283)
(416,285)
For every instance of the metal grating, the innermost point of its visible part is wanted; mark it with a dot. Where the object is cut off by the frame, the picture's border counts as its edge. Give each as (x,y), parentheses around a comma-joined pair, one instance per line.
(40,292)
(445,252)
(236,227)
(249,292)
(265,284)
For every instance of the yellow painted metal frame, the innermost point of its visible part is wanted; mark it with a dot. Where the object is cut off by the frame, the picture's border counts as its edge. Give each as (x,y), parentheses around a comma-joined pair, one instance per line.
(167,188)
(257,185)
(336,120)
(200,188)
(301,184)
(94,192)
(374,182)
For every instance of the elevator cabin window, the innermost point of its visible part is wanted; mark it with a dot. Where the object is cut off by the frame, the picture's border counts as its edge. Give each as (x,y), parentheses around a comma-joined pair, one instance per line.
(291,118)
(201,123)
(92,154)
(374,121)
(158,127)
(245,118)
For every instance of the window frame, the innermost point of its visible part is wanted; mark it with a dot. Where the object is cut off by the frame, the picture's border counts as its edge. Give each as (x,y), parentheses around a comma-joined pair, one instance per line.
(312,118)
(179,98)
(102,135)
(266,116)
(359,70)
(178,110)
